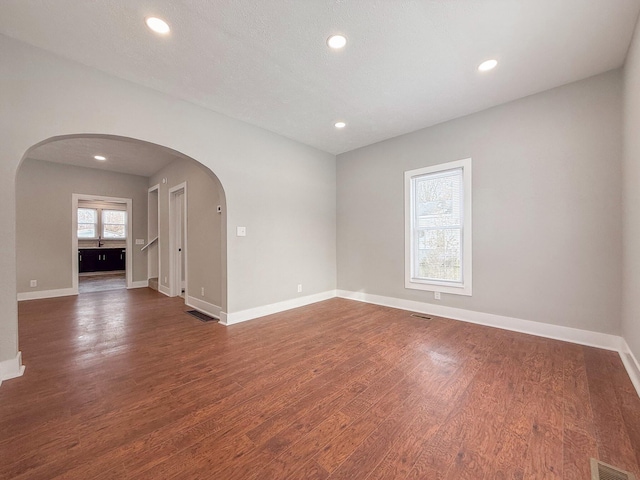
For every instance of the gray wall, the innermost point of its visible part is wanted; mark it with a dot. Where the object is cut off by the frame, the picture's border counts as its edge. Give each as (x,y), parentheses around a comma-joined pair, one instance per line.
(282,191)
(631,204)
(547,227)
(43,218)
(205,229)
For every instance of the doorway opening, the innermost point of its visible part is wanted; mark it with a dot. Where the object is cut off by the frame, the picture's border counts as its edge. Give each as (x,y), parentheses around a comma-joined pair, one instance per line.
(153,229)
(60,174)
(178,240)
(101,239)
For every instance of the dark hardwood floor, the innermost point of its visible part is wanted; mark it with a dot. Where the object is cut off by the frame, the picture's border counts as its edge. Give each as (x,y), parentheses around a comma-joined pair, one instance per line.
(124,384)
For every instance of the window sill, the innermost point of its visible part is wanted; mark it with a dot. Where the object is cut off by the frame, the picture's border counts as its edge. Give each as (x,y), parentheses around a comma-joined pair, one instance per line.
(435,287)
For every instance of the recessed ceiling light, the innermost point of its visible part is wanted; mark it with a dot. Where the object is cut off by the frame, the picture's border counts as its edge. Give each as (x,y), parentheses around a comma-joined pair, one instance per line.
(339,124)
(99,157)
(337,41)
(157,25)
(488,65)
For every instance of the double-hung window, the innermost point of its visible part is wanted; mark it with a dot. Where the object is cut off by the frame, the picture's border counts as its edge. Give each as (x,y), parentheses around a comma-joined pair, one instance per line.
(101,222)
(438,228)
(114,224)
(87,223)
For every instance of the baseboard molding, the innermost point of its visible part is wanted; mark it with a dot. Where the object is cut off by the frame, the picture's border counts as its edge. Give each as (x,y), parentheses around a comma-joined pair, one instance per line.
(631,364)
(139,284)
(164,290)
(11,368)
(251,313)
(204,307)
(61,292)
(557,332)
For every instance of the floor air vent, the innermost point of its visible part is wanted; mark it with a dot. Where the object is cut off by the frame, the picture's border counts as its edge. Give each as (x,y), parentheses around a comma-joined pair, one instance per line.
(201,316)
(603,471)
(418,315)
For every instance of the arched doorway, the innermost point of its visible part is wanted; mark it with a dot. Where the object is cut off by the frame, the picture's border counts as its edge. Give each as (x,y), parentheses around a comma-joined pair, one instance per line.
(56,173)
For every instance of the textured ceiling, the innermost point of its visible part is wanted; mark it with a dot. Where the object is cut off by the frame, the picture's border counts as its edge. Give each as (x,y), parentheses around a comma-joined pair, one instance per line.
(407,64)
(132,157)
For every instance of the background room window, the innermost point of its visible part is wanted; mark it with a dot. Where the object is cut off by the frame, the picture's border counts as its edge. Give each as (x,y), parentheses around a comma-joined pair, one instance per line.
(87,223)
(438,228)
(114,224)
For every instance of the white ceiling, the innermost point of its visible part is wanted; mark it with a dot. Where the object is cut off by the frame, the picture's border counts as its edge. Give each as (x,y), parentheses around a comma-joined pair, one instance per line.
(407,65)
(132,157)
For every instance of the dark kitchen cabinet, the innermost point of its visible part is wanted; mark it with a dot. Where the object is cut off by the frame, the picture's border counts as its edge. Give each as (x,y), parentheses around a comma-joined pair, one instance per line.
(101,259)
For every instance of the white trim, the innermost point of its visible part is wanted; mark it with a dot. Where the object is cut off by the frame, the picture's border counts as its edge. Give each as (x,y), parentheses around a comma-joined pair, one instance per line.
(251,313)
(74,235)
(175,288)
(164,290)
(631,364)
(204,307)
(464,288)
(11,368)
(155,188)
(60,292)
(547,330)
(139,284)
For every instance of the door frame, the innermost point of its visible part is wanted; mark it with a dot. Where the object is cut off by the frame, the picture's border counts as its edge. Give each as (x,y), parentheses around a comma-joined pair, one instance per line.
(175,287)
(155,188)
(74,235)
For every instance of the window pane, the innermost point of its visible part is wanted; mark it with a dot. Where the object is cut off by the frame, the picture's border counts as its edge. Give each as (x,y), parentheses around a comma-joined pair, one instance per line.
(87,222)
(439,255)
(438,199)
(86,230)
(114,224)
(87,215)
(113,231)
(114,217)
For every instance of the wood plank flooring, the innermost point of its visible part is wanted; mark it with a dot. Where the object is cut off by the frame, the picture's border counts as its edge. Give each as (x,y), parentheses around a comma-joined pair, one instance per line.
(101,282)
(124,384)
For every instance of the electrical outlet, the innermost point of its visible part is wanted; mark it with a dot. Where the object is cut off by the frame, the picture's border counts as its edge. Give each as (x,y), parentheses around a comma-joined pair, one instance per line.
(436,295)
(299,288)
(139,241)
(165,280)
(202,291)
(33,283)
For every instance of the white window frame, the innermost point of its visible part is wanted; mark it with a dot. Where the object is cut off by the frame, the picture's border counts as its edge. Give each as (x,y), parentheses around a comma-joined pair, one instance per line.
(99,208)
(103,223)
(97,223)
(458,288)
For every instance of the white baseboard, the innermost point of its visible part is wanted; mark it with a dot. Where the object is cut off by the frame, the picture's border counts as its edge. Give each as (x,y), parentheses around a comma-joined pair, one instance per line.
(60,292)
(631,364)
(547,330)
(139,284)
(11,368)
(251,313)
(164,290)
(204,307)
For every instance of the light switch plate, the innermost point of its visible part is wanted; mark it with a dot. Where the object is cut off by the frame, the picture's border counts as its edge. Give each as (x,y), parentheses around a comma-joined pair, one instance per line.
(241,231)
